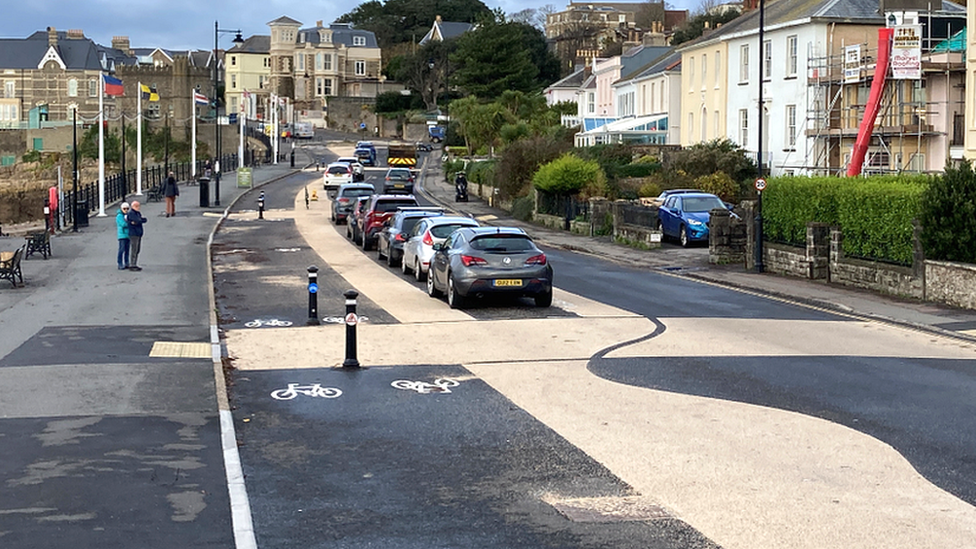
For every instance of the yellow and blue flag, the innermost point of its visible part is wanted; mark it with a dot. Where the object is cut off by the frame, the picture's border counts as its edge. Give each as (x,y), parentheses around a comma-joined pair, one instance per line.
(147,93)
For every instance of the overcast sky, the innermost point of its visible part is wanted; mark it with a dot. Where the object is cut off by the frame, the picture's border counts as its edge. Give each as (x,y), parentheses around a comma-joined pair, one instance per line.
(189,24)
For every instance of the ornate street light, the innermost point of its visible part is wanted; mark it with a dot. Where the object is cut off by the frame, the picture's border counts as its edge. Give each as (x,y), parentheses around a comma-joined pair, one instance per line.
(237,40)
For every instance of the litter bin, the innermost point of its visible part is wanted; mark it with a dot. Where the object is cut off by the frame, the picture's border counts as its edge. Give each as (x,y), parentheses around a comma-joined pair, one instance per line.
(204,192)
(81,213)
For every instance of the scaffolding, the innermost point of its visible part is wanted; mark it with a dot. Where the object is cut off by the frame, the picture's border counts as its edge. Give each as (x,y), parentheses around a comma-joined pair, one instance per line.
(911,124)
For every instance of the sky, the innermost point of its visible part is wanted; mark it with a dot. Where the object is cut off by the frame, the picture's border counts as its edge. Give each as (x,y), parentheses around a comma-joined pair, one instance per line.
(189,24)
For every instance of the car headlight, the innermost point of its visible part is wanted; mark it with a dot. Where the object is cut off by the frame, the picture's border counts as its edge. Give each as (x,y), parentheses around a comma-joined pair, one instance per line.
(694,223)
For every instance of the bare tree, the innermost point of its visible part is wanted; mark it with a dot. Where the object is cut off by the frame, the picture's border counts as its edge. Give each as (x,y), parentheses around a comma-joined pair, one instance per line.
(649,12)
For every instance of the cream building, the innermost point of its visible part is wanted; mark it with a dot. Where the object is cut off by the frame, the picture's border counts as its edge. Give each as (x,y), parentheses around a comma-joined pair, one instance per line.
(247,67)
(704,90)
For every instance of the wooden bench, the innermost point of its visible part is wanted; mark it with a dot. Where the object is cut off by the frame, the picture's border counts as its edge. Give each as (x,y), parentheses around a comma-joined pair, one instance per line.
(39,242)
(10,267)
(155,194)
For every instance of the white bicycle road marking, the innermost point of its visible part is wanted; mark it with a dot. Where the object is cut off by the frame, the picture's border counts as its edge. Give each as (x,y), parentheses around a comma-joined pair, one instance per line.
(440,385)
(314,390)
(274,322)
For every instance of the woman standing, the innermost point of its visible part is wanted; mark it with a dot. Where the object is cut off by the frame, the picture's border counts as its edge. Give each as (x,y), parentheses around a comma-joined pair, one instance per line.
(122,226)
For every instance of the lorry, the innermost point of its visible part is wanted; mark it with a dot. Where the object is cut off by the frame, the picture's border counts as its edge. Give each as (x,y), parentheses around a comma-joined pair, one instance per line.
(436,133)
(404,156)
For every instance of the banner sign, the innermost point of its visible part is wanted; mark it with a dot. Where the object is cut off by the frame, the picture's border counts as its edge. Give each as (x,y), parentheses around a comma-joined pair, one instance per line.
(906,53)
(852,64)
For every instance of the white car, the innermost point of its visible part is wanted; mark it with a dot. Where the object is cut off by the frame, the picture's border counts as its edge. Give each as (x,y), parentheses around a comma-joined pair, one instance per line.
(419,247)
(358,170)
(336,174)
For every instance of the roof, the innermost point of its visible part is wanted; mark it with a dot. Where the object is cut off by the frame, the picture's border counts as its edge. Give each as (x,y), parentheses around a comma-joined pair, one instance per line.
(342,33)
(445,30)
(26,53)
(667,62)
(638,57)
(258,43)
(574,80)
(284,20)
(630,124)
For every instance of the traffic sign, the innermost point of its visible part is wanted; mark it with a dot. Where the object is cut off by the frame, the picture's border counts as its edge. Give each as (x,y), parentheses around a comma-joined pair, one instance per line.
(351,319)
(313,288)
(362,125)
(760,184)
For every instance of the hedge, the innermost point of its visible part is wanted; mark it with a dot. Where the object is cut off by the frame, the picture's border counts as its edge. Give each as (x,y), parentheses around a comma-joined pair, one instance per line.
(875,213)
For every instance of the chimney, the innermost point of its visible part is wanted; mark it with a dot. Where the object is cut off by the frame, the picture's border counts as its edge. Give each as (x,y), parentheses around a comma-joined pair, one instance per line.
(318,23)
(52,37)
(76,34)
(121,43)
(438,19)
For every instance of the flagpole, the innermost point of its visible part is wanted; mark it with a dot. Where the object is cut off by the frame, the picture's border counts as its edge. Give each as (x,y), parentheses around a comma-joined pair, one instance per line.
(241,120)
(101,145)
(139,141)
(193,135)
(274,126)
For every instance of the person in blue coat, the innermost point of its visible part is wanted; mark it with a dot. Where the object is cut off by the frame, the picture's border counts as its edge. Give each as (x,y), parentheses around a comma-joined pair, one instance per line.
(122,228)
(135,220)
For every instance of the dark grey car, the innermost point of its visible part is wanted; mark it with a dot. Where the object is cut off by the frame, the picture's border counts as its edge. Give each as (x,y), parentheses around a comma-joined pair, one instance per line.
(479,261)
(345,200)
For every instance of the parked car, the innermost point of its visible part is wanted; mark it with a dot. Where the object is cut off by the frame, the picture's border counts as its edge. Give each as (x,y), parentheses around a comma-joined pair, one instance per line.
(685,216)
(478,261)
(336,174)
(665,194)
(366,155)
(389,243)
(380,208)
(398,180)
(353,223)
(426,147)
(346,198)
(358,171)
(419,247)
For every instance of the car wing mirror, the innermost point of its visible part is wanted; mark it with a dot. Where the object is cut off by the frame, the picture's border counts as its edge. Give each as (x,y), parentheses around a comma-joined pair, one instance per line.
(438,246)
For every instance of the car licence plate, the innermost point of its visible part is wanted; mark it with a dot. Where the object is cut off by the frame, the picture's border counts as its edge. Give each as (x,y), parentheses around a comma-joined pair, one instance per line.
(508,282)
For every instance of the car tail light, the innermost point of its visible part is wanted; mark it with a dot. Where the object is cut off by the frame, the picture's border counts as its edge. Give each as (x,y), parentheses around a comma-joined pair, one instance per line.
(469,260)
(536,260)
(387,178)
(400,238)
(344,200)
(427,239)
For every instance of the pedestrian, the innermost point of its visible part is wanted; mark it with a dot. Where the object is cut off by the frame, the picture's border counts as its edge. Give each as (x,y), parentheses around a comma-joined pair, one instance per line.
(122,228)
(135,220)
(170,192)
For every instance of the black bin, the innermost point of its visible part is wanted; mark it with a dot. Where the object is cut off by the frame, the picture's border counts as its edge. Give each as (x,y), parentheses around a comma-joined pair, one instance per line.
(81,213)
(204,192)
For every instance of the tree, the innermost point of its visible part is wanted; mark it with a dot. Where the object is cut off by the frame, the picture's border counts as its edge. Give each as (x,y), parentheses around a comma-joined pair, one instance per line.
(500,56)
(568,175)
(648,13)
(949,215)
(426,71)
(695,27)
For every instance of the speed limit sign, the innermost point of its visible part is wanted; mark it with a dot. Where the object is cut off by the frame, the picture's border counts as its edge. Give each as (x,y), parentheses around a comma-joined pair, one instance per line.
(760,184)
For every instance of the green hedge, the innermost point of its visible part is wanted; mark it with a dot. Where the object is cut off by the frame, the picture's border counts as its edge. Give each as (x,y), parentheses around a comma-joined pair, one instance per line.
(949,216)
(875,213)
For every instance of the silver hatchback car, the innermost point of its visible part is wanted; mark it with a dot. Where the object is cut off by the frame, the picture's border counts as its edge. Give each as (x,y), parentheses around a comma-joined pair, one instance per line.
(419,247)
(479,261)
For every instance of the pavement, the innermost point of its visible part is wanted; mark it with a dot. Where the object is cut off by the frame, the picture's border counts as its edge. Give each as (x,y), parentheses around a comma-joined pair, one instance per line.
(693,264)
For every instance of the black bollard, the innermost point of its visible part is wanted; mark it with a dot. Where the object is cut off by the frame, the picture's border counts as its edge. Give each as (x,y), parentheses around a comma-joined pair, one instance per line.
(313,299)
(351,321)
(293,158)
(261,206)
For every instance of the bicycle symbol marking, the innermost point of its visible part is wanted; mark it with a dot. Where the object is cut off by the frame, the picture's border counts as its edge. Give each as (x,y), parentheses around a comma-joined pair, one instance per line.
(273,323)
(314,390)
(440,385)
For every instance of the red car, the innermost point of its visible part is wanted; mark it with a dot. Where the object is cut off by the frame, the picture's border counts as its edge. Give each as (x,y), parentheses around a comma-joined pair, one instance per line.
(381,207)
(353,221)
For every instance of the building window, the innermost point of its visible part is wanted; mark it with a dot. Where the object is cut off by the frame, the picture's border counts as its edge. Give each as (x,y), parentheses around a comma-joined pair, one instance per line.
(591,103)
(261,81)
(691,127)
(300,62)
(744,63)
(267,62)
(704,125)
(791,126)
(318,61)
(72,108)
(718,68)
(152,111)
(767,59)
(233,81)
(327,60)
(691,74)
(9,89)
(358,40)
(791,46)
(743,128)
(93,88)
(704,70)
(621,18)
(73,88)
(653,94)
(233,60)
(318,86)
(328,86)
(360,68)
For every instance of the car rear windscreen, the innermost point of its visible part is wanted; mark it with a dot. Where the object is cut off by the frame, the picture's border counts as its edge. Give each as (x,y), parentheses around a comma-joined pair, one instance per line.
(444,231)
(357,192)
(502,244)
(338,170)
(392,205)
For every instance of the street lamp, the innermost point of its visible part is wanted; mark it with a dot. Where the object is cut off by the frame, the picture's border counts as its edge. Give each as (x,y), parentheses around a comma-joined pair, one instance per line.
(237,40)
(762,59)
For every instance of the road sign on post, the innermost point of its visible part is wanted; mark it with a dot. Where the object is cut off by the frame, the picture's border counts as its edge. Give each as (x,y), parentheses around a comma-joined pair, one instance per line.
(760,184)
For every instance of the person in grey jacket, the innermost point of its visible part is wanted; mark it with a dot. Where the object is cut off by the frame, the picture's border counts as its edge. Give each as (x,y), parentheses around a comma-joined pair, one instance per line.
(135,219)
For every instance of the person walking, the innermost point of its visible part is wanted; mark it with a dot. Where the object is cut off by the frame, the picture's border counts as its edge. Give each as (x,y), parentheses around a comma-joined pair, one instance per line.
(135,221)
(122,228)
(170,192)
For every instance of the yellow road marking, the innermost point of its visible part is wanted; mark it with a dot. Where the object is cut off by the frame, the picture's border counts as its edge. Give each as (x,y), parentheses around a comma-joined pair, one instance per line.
(180,349)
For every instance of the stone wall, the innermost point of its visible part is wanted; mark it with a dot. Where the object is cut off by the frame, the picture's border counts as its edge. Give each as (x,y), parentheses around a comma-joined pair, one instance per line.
(785,260)
(726,238)
(13,143)
(872,275)
(951,283)
(557,222)
(642,234)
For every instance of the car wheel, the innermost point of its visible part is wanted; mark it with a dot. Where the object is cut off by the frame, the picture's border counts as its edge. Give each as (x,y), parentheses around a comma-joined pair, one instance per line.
(379,251)
(404,266)
(390,261)
(683,235)
(417,273)
(365,242)
(454,299)
(333,217)
(543,299)
(431,289)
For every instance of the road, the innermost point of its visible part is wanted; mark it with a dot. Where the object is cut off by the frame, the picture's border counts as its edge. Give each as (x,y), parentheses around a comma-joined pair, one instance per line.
(642,409)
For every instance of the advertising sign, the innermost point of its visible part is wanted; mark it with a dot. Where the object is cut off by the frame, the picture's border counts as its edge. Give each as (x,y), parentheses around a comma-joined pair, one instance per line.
(906,52)
(243,177)
(852,64)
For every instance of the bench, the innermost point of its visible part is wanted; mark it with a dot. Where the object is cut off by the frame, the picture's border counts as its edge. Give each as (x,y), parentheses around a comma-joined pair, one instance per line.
(39,242)
(10,268)
(155,194)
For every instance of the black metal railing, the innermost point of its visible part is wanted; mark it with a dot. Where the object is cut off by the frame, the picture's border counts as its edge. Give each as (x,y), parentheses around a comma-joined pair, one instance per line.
(564,206)
(636,214)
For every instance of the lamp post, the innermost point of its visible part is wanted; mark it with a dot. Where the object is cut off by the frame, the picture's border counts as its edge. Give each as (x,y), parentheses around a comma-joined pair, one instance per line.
(216,100)
(169,114)
(762,61)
